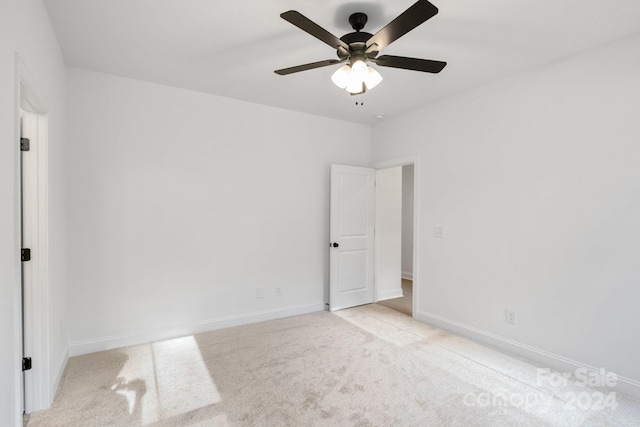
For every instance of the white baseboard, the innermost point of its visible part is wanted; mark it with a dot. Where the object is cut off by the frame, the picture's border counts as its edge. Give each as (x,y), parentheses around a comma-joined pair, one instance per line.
(58,378)
(624,385)
(78,348)
(384,295)
(406,275)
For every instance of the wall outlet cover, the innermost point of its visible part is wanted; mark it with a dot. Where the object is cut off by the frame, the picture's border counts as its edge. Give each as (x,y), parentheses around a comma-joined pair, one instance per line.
(510,316)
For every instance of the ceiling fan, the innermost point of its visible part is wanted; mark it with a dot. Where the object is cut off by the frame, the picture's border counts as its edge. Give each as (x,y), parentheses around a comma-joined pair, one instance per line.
(361,47)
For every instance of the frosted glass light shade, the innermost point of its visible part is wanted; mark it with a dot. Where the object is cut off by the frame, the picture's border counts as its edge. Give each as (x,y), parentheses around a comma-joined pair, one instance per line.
(359,71)
(341,77)
(354,86)
(373,78)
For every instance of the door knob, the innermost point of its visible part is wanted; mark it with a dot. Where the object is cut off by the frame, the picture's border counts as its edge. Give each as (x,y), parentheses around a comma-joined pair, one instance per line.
(335,245)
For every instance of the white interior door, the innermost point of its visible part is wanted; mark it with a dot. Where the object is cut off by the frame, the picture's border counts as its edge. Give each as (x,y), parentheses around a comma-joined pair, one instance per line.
(28,160)
(351,236)
(38,393)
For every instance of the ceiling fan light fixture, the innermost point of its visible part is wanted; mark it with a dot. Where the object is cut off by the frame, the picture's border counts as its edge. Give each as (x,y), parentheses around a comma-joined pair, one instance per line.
(341,77)
(356,78)
(361,47)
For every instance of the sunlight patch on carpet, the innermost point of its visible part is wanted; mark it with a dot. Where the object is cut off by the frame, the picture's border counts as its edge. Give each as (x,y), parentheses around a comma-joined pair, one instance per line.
(380,329)
(165,379)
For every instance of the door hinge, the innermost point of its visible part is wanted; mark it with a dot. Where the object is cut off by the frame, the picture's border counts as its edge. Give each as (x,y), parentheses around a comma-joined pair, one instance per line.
(26,254)
(26,363)
(25,144)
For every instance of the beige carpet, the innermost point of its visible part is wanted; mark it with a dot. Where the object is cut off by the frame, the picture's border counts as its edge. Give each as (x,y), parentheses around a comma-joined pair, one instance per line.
(403,304)
(367,366)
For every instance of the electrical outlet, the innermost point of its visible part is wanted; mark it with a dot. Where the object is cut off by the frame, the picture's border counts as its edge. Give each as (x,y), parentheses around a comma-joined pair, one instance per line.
(259,293)
(278,292)
(510,316)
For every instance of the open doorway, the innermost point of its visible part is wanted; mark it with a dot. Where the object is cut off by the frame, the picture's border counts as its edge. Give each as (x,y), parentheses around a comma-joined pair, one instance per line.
(396,250)
(365,238)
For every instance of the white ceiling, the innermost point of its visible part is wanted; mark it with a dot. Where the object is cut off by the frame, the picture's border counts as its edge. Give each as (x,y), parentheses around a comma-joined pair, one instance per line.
(231,49)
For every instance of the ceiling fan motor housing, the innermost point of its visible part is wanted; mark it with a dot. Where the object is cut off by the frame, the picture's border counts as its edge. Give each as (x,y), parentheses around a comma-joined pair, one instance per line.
(357,40)
(358,20)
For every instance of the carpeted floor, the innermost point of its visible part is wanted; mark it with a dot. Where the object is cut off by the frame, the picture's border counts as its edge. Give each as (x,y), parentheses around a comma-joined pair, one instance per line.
(404,304)
(366,366)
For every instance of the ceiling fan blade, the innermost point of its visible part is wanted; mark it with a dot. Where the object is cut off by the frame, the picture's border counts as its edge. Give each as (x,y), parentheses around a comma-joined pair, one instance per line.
(310,66)
(416,64)
(405,22)
(305,24)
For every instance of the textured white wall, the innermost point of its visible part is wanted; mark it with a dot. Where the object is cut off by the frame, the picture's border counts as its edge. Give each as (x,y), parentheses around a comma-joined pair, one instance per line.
(25,29)
(184,203)
(407,221)
(536,182)
(388,233)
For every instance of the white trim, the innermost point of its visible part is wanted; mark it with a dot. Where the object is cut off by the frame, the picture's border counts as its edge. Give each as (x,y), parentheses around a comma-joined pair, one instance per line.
(385,295)
(624,385)
(403,161)
(31,99)
(16,334)
(63,365)
(416,235)
(393,163)
(91,346)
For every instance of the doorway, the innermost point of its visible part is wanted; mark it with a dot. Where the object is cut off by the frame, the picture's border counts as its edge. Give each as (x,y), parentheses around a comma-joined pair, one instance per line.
(360,197)
(401,194)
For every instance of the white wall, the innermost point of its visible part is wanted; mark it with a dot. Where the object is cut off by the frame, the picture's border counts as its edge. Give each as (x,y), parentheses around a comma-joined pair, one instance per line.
(184,203)
(536,181)
(388,233)
(25,29)
(407,221)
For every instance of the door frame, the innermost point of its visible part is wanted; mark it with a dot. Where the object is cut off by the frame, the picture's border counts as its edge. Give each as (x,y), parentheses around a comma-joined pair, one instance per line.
(415,161)
(37,313)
